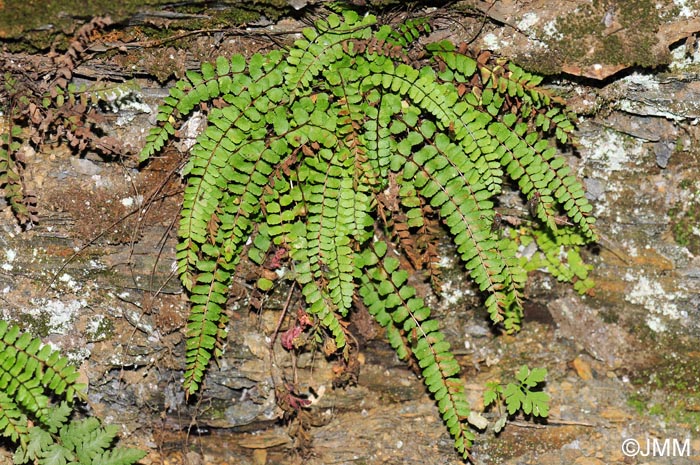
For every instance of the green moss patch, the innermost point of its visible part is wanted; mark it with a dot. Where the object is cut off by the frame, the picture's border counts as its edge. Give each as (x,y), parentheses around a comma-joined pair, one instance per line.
(608,32)
(685,219)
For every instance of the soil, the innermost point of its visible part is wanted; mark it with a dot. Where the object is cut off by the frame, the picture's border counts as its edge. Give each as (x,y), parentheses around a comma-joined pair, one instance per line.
(94,275)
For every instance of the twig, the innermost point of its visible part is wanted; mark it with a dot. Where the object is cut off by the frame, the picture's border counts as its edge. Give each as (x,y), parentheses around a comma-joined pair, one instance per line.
(556,422)
(552,422)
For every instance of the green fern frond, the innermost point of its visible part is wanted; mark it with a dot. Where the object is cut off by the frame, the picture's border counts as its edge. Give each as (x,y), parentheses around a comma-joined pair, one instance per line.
(344,139)
(408,32)
(227,173)
(558,254)
(395,306)
(119,456)
(87,438)
(543,175)
(58,416)
(84,442)
(323,46)
(458,190)
(28,368)
(315,295)
(39,440)
(30,374)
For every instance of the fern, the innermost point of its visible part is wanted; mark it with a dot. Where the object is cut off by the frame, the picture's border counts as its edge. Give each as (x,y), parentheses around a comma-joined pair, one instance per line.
(10,169)
(31,374)
(521,396)
(331,148)
(557,253)
(395,306)
(54,109)
(71,114)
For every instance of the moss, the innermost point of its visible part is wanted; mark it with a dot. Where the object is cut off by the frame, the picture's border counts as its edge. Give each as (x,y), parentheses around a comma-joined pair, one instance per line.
(39,22)
(683,229)
(638,403)
(34,25)
(103,328)
(684,217)
(613,49)
(675,407)
(670,387)
(546,61)
(607,32)
(656,409)
(237,13)
(36,325)
(680,374)
(609,316)
(237,16)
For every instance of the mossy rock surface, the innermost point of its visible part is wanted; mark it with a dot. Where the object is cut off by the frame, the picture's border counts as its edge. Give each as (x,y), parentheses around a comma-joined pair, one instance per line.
(37,24)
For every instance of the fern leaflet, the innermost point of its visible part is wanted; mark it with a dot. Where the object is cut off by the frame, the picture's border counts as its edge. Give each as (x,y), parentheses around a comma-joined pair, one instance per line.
(316,150)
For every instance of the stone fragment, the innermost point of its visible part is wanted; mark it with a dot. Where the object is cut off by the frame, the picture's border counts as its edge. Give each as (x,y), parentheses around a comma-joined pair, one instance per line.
(582,368)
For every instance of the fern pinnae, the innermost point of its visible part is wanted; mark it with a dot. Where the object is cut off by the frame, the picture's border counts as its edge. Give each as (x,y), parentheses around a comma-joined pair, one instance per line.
(27,368)
(205,326)
(369,291)
(305,252)
(332,202)
(118,456)
(467,214)
(524,165)
(31,376)
(407,32)
(459,116)
(211,169)
(87,438)
(514,282)
(13,424)
(382,125)
(225,180)
(352,221)
(309,150)
(527,157)
(395,306)
(570,267)
(541,173)
(531,161)
(325,247)
(182,99)
(310,55)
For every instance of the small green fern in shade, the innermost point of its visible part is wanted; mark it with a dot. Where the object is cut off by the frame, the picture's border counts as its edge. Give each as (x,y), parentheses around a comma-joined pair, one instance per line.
(523,395)
(558,254)
(340,154)
(31,375)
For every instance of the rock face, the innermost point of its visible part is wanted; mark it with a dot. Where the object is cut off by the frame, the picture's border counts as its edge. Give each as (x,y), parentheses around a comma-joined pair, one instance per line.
(94,277)
(641,157)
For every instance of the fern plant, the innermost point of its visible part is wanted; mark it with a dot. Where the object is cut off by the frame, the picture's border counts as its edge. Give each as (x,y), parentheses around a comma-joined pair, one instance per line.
(10,169)
(518,396)
(335,151)
(31,374)
(38,107)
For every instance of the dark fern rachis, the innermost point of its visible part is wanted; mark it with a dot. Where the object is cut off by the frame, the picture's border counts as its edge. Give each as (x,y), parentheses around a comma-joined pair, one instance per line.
(335,150)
